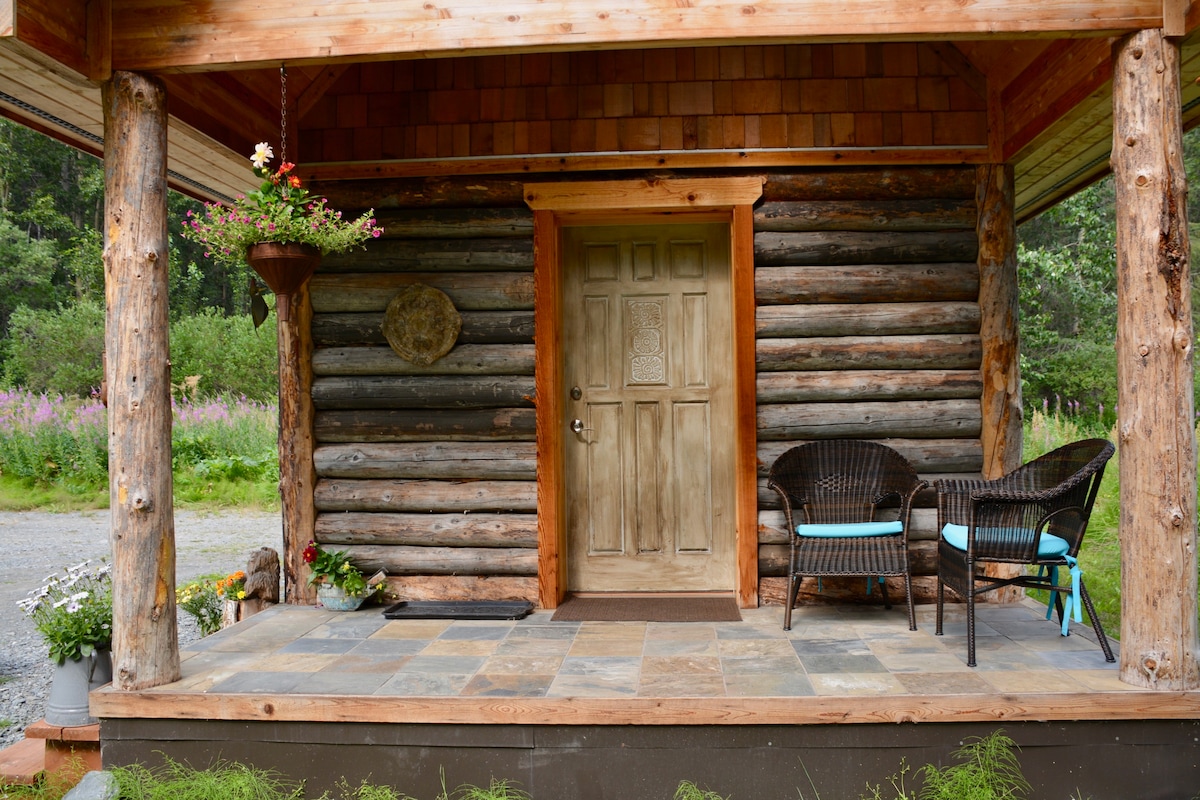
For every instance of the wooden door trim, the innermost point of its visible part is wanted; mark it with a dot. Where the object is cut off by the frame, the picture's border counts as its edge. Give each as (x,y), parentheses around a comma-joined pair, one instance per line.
(556,205)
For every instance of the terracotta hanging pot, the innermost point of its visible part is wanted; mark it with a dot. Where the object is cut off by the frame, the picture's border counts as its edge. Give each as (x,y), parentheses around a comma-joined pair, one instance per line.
(284,268)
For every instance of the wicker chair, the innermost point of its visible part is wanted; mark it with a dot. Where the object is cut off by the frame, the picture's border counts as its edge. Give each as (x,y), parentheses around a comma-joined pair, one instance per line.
(839,485)
(1034,516)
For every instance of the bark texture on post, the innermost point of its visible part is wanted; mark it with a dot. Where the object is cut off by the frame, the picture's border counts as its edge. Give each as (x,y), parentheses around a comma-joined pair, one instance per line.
(297,475)
(145,639)
(1157,444)
(1001,367)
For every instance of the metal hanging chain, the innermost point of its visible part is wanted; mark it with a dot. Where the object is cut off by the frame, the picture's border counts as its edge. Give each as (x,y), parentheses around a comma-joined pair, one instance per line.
(282,113)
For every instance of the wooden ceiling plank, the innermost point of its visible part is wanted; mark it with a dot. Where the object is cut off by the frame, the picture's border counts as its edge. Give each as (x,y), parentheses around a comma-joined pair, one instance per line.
(1052,87)
(1090,165)
(233,34)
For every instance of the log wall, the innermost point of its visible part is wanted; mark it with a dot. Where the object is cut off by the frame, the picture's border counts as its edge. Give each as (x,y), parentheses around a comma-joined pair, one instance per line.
(867,326)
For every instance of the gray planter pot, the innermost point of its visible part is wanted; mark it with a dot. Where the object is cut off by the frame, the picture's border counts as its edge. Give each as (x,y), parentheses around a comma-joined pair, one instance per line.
(67,705)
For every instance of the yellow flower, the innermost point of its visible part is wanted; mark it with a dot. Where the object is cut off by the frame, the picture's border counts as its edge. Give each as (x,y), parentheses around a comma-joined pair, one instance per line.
(242,595)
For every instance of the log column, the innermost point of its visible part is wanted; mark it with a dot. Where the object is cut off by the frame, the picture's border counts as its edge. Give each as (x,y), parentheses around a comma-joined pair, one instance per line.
(1001,365)
(297,475)
(1157,442)
(145,639)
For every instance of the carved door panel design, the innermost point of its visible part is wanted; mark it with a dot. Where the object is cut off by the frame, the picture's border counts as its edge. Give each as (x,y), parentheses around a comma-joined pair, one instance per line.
(647,350)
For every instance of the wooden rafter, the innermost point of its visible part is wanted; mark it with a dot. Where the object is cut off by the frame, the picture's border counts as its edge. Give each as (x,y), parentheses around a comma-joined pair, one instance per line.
(228,34)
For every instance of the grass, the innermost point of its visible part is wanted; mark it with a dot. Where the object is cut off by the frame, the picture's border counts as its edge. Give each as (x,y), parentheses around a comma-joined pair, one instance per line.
(53,453)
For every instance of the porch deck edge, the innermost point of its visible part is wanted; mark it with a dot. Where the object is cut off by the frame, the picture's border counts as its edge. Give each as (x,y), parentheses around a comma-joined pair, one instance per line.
(1135,704)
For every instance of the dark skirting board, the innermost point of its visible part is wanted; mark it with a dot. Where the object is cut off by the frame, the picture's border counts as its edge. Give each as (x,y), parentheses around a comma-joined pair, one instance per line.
(459,609)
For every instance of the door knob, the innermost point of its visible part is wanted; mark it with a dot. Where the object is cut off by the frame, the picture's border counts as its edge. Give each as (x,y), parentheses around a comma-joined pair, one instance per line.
(577,426)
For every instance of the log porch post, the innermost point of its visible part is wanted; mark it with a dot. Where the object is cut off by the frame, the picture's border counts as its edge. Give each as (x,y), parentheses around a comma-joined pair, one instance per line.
(1156,425)
(145,639)
(297,474)
(998,310)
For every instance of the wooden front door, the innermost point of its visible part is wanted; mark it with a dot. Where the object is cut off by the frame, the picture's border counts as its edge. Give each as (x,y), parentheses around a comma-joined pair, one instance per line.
(648,379)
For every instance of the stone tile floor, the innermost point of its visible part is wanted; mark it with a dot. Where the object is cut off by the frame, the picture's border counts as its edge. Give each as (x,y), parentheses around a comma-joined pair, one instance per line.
(830,651)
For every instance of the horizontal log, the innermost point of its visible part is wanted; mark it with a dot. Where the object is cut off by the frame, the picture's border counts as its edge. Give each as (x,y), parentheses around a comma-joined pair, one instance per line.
(457,223)
(772,527)
(773,561)
(458,255)
(931,351)
(469,291)
(866,215)
(871,184)
(383,194)
(334,494)
(903,419)
(496,461)
(478,327)
(425,530)
(827,248)
(867,283)
(846,591)
(865,319)
(462,587)
(485,391)
(404,560)
(926,455)
(464,359)
(406,425)
(876,384)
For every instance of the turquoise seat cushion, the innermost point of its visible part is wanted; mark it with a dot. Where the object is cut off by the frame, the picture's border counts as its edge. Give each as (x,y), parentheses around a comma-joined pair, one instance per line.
(1050,546)
(845,529)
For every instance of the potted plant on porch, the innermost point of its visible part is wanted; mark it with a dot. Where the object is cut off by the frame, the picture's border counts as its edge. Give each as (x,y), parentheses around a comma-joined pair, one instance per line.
(73,611)
(280,229)
(341,586)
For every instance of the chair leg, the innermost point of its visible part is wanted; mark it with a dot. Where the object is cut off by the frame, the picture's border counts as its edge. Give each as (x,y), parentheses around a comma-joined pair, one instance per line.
(1096,626)
(883,588)
(912,614)
(970,614)
(941,599)
(793,590)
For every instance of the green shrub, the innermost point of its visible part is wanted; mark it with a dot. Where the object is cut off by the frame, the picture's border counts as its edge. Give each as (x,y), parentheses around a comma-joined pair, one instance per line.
(56,350)
(990,771)
(226,356)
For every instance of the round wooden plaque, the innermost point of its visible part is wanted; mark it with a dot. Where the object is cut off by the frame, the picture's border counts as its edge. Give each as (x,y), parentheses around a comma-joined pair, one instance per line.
(421,324)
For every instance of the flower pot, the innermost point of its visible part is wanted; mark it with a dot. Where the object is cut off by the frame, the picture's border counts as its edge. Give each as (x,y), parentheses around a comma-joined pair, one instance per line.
(284,268)
(334,598)
(67,705)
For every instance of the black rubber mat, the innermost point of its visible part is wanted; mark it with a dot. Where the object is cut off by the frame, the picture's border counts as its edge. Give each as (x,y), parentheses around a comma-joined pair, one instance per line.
(459,609)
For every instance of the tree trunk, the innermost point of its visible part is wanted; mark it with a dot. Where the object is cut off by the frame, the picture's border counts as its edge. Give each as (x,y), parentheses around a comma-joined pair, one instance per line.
(1154,369)
(145,639)
(1001,399)
(297,475)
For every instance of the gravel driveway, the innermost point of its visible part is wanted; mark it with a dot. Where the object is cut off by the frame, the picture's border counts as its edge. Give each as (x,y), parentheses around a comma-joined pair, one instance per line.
(36,544)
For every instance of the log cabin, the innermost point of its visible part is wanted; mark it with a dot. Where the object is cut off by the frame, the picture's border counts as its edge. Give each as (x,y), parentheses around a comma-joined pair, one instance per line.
(701,231)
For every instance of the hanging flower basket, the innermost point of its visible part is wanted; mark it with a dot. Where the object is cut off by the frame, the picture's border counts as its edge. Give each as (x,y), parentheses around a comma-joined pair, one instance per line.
(279,214)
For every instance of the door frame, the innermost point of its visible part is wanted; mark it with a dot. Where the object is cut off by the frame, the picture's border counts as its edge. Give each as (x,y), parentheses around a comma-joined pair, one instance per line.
(557,205)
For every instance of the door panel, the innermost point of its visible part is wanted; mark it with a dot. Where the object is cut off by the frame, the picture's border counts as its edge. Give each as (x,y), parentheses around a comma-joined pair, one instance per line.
(647,344)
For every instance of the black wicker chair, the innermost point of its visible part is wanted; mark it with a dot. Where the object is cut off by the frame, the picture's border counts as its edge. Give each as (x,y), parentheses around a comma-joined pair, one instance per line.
(838,486)
(1034,516)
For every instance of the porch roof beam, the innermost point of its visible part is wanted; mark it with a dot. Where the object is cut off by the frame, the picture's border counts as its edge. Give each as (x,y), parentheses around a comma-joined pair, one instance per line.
(230,34)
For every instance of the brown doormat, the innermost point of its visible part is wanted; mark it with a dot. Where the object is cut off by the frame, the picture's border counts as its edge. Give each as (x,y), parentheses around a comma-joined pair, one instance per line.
(651,608)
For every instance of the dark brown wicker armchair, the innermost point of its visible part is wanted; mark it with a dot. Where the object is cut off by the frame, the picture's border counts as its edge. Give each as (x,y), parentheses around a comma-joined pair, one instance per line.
(1036,516)
(831,493)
